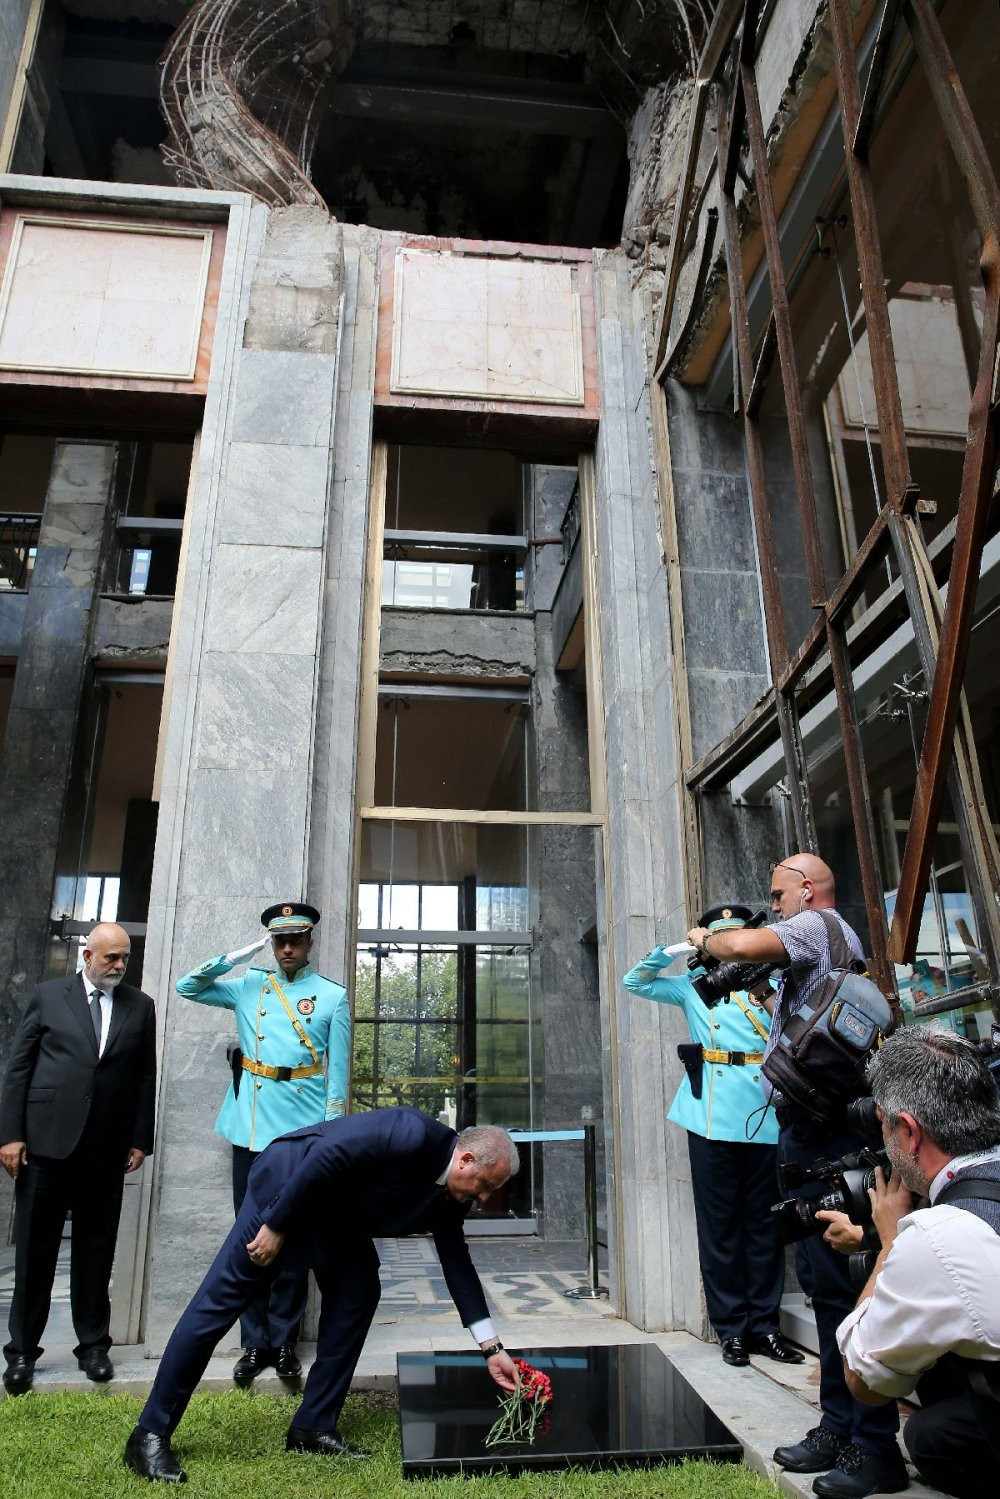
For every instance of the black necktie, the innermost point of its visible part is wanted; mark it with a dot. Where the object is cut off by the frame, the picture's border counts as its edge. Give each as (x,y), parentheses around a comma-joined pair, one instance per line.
(95,1014)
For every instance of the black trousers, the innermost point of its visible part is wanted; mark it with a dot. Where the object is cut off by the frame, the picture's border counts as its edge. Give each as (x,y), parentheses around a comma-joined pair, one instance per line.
(349,1286)
(826,1280)
(945,1438)
(272,1318)
(88,1183)
(742,1262)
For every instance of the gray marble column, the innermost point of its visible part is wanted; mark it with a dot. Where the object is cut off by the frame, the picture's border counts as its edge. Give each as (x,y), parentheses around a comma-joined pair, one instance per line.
(37,757)
(240,708)
(651,1223)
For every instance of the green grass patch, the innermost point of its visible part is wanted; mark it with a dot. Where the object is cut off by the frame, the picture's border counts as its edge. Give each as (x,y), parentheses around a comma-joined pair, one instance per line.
(232,1445)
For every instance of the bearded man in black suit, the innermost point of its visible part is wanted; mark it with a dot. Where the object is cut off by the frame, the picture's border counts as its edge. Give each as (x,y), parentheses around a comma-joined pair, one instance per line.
(76,1116)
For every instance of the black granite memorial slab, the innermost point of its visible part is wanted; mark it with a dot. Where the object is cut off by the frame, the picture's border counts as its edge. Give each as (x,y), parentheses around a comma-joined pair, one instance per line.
(612,1407)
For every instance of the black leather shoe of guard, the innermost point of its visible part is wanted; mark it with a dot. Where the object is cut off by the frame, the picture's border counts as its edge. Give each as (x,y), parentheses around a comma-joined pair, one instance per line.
(288,1365)
(150,1456)
(246,1369)
(96,1365)
(773,1345)
(19,1373)
(860,1472)
(818,1450)
(329,1443)
(734,1351)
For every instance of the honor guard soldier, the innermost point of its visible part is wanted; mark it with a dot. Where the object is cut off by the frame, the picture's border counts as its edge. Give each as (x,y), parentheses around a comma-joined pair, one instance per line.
(289,1070)
(720,1102)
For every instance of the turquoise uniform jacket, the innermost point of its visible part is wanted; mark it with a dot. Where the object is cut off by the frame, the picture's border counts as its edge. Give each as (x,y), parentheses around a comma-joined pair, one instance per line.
(729,1095)
(267,1107)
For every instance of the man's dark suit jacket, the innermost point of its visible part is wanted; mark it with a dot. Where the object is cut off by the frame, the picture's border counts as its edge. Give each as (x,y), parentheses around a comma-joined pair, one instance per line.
(55,1082)
(368,1174)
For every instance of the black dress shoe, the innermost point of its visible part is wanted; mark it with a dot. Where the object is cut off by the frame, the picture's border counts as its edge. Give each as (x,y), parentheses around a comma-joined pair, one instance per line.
(246,1369)
(287,1365)
(734,1351)
(818,1450)
(19,1373)
(330,1443)
(773,1345)
(150,1456)
(860,1472)
(96,1365)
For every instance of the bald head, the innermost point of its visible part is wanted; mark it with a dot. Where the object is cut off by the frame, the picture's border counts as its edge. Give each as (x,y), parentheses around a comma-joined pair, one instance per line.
(106,954)
(802,882)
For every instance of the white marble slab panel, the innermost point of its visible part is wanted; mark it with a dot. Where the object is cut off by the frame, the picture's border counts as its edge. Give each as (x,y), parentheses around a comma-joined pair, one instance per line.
(255,710)
(486,327)
(274,492)
(91,297)
(264,599)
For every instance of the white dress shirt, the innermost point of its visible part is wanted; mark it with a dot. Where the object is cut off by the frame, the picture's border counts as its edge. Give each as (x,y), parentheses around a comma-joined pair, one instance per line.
(105,1004)
(938,1292)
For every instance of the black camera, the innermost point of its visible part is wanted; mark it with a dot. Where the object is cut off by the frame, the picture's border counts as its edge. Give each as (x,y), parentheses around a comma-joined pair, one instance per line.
(714,980)
(848,1182)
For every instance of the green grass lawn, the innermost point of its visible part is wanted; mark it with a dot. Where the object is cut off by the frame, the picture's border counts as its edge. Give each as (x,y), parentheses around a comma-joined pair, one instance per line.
(232,1445)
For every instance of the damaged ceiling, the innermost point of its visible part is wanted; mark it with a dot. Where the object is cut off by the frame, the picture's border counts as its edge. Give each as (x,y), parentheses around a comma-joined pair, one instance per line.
(477,118)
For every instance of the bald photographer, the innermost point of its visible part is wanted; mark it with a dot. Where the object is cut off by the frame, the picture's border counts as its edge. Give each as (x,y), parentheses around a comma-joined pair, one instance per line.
(928,1318)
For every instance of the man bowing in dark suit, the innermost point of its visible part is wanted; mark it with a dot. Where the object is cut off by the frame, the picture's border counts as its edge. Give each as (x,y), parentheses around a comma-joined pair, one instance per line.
(76,1113)
(317,1197)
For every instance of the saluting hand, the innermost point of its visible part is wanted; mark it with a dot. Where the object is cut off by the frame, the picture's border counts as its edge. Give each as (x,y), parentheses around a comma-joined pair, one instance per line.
(240,954)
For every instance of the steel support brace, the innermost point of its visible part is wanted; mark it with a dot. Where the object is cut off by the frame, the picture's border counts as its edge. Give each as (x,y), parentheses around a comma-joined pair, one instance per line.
(861,808)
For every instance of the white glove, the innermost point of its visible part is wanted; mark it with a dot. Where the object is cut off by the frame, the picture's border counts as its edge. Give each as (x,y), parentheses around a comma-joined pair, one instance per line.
(678,949)
(242,953)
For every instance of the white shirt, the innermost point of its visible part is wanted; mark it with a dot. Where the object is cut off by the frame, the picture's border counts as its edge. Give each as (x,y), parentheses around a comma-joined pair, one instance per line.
(938,1292)
(105,1004)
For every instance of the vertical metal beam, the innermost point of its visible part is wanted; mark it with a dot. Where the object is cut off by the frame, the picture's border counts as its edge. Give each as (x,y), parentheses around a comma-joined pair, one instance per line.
(783,334)
(895,459)
(774,615)
(861,809)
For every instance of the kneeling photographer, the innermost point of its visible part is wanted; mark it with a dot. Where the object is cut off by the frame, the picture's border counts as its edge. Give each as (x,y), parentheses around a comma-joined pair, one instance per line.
(854,1448)
(929,1316)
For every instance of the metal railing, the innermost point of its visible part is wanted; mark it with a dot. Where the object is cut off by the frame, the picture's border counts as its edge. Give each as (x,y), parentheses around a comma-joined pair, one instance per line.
(18,545)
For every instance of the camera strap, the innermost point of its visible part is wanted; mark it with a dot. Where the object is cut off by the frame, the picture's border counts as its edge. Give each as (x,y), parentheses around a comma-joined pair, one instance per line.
(983,1188)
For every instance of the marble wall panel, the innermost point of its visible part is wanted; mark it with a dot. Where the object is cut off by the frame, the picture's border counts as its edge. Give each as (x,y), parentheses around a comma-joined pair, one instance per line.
(265,600)
(103,300)
(243,821)
(480,326)
(256,711)
(272,495)
(284,398)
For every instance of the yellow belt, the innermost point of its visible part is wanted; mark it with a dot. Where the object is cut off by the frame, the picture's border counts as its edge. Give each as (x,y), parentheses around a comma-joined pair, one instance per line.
(728,1058)
(280,1074)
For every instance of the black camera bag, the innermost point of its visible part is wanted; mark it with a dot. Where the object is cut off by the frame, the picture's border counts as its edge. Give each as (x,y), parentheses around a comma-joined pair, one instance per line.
(818,1063)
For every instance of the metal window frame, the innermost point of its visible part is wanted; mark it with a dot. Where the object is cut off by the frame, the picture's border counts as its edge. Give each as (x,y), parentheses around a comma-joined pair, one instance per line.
(727,77)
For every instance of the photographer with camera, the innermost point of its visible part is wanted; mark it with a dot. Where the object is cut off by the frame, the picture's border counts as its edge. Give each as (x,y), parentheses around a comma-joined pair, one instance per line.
(733,1177)
(854,1448)
(929,1316)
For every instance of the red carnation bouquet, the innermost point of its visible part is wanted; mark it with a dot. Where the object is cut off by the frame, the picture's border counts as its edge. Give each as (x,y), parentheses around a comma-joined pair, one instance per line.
(524,1412)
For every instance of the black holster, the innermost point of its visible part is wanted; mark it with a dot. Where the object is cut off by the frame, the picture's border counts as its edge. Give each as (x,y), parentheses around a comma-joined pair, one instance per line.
(690,1053)
(234,1057)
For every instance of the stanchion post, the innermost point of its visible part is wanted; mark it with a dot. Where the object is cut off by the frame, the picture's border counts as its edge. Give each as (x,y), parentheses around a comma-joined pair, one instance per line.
(594,1291)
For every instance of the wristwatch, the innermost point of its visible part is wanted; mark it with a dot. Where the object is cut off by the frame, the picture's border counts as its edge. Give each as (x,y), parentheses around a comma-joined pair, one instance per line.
(491,1348)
